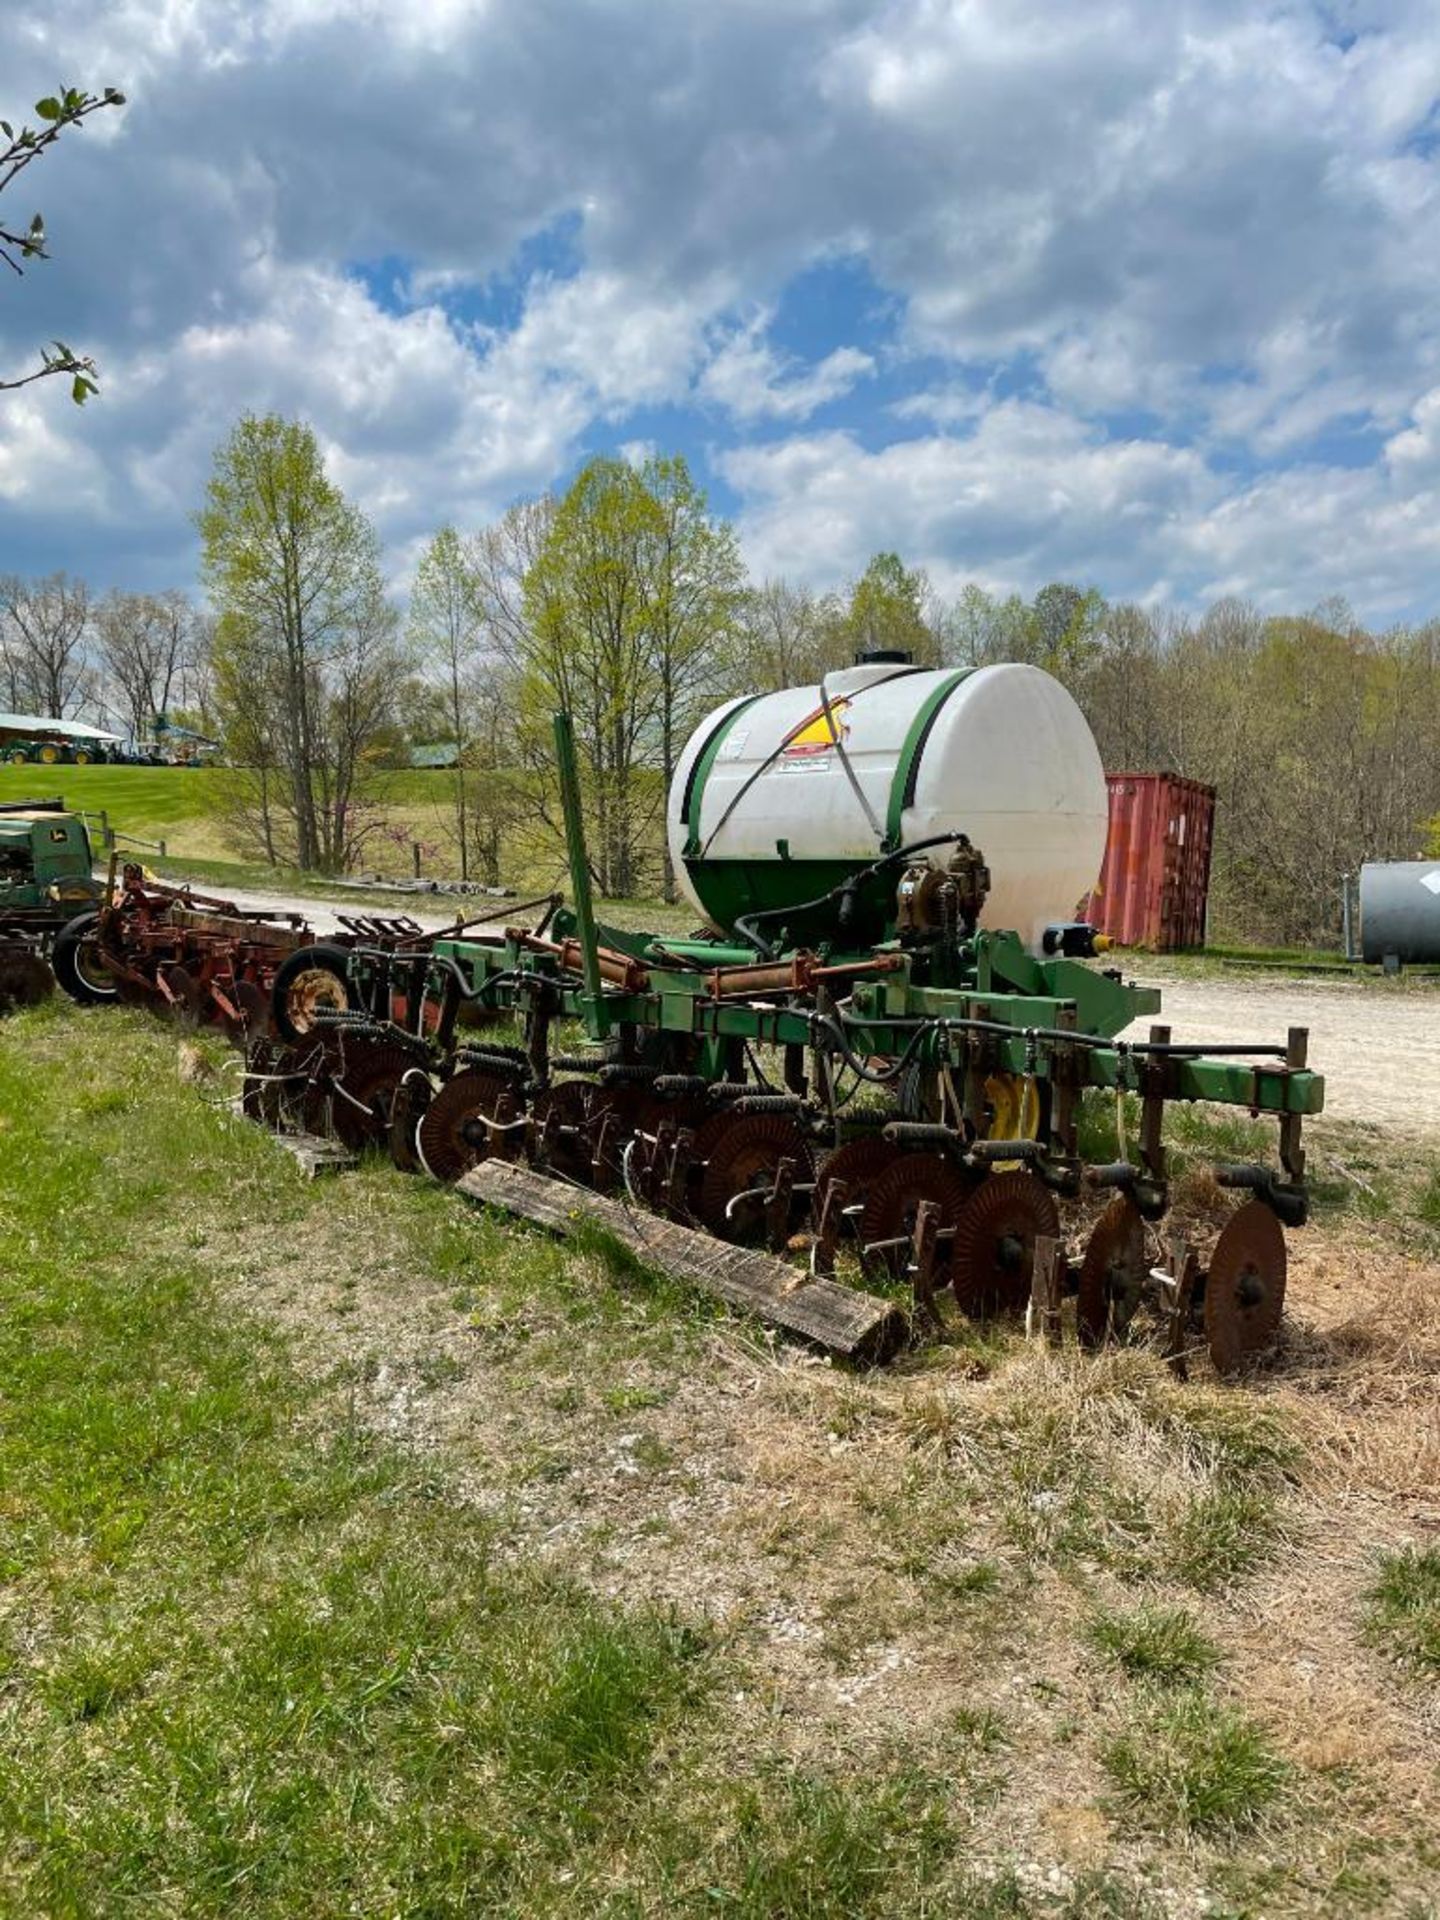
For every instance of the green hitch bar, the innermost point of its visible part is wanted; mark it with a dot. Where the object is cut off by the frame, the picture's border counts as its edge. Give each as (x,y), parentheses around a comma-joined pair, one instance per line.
(597,1014)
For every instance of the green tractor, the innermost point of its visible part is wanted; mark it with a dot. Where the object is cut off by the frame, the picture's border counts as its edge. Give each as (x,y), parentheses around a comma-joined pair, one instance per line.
(48,897)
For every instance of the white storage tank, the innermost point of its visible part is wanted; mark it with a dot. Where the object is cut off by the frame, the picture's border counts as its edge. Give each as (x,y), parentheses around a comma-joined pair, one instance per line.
(766,811)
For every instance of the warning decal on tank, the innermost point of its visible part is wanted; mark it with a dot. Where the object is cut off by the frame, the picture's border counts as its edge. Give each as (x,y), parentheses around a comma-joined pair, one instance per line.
(814,734)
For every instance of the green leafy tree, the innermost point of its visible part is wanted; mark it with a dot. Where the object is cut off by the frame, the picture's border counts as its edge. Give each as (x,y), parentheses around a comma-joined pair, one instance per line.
(57,113)
(693,580)
(292,566)
(588,647)
(887,609)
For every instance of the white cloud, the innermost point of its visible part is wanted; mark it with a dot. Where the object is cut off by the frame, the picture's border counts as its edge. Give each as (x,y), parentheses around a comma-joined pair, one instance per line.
(1034,494)
(1217,217)
(751,381)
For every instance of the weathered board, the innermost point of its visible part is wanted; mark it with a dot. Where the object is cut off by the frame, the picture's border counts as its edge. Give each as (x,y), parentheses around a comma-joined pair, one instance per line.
(315,1155)
(840,1319)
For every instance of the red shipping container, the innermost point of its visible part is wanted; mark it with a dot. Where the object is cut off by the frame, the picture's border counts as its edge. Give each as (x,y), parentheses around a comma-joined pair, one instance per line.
(1156,876)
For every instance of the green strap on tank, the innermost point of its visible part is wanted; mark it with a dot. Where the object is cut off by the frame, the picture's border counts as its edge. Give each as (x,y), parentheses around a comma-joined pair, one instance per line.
(695,790)
(902,783)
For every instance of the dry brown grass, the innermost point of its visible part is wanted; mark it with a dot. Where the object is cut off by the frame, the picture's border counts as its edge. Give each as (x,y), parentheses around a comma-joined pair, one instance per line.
(894,1559)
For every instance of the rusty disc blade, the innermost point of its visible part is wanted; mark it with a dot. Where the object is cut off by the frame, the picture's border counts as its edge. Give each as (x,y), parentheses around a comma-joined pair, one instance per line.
(252,1014)
(859,1163)
(741,1155)
(560,1129)
(452,1138)
(894,1202)
(1245,1286)
(994,1253)
(1112,1274)
(25,979)
(181,985)
(412,1099)
(368,1072)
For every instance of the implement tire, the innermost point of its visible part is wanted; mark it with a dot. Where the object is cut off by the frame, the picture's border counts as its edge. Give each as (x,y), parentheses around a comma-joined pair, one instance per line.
(292,995)
(78,965)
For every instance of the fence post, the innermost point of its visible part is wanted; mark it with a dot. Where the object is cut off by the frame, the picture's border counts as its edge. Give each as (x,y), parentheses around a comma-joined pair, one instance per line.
(160,848)
(415,851)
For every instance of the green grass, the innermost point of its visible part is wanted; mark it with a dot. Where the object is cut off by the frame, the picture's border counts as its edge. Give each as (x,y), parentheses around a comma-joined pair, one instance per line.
(255,1660)
(175,804)
(1404,1607)
(1155,1643)
(1190,1765)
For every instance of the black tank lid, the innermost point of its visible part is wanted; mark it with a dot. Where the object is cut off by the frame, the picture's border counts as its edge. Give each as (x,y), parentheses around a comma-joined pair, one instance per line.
(884,657)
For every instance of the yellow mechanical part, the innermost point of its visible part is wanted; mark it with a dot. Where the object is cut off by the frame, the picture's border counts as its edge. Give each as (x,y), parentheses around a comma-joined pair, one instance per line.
(1014,1109)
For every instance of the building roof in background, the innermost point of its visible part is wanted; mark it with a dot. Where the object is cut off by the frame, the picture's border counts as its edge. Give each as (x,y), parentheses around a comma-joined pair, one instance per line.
(443,754)
(55,729)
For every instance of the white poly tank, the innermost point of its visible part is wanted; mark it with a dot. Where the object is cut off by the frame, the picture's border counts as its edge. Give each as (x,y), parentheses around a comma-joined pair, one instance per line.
(761,797)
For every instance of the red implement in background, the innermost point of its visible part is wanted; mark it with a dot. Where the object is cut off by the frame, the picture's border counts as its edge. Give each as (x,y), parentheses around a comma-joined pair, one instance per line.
(1156,874)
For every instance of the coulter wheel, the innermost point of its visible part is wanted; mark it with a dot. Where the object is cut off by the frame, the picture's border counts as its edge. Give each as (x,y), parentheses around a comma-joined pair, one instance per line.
(252,1008)
(1112,1274)
(452,1136)
(1245,1286)
(859,1163)
(742,1155)
(185,1008)
(568,1147)
(894,1202)
(407,1109)
(25,979)
(994,1248)
(365,1078)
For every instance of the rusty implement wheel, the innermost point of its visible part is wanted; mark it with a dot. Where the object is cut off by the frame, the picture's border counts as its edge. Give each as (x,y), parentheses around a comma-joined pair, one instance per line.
(1112,1274)
(25,979)
(894,1200)
(744,1156)
(407,1109)
(859,1163)
(252,1014)
(560,1130)
(994,1253)
(453,1137)
(176,987)
(362,1089)
(1245,1286)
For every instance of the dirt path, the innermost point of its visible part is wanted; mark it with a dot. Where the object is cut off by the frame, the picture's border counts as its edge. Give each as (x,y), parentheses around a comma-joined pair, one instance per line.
(1378,1047)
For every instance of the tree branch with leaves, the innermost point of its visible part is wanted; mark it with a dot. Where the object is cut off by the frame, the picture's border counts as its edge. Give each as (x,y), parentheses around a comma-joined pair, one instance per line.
(57,113)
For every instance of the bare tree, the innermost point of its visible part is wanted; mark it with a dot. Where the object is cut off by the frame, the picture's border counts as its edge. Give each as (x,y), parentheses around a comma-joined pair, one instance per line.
(444,630)
(45,625)
(143,640)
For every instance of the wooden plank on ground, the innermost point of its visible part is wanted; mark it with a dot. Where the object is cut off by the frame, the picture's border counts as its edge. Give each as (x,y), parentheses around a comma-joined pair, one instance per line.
(315,1155)
(840,1319)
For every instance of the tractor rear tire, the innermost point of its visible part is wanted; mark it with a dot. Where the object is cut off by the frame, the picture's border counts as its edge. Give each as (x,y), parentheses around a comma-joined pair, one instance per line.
(78,967)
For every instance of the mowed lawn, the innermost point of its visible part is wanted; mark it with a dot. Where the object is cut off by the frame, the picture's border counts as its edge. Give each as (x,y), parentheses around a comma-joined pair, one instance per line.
(178,805)
(186,808)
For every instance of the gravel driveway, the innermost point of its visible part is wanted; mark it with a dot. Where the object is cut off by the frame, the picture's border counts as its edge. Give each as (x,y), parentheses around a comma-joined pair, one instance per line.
(1378,1046)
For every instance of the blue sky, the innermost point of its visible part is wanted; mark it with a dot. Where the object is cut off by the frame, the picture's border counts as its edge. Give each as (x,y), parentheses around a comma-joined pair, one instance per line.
(1141,296)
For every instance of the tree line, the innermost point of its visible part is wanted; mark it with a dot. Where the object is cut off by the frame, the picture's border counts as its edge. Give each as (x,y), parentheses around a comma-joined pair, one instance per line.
(626,600)
(125,661)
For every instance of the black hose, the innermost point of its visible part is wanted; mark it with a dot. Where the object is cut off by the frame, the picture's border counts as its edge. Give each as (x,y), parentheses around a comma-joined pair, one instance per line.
(845,893)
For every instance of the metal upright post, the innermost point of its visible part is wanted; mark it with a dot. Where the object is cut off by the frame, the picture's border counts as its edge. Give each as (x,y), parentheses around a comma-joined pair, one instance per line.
(599,1020)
